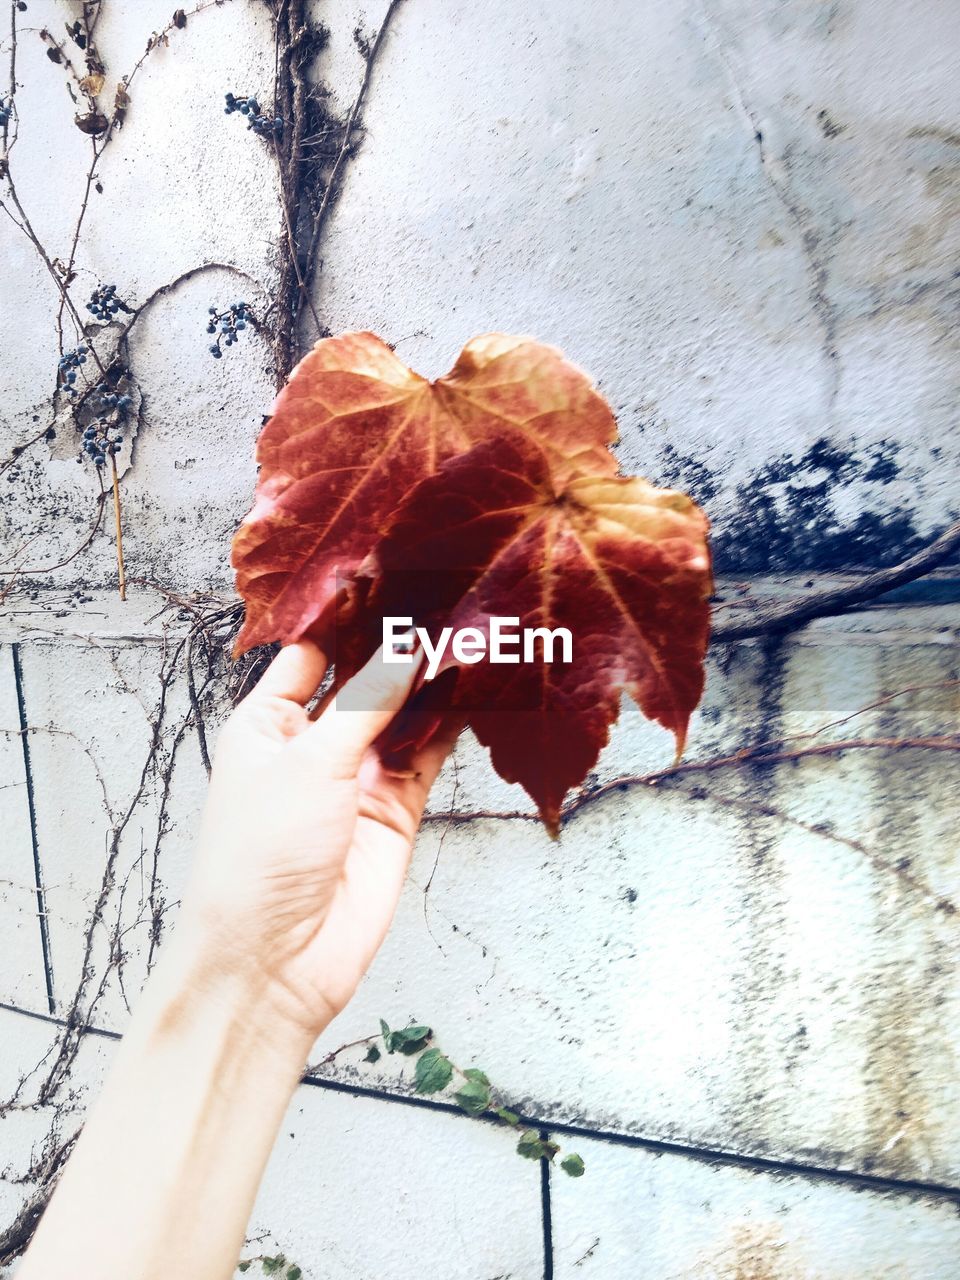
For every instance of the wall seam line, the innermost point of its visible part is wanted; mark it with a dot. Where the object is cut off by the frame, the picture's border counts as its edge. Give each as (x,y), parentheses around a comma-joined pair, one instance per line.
(546,1211)
(657,1146)
(32,812)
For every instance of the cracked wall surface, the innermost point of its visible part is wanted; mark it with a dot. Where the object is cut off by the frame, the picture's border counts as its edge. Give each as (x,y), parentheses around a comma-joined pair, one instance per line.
(734,992)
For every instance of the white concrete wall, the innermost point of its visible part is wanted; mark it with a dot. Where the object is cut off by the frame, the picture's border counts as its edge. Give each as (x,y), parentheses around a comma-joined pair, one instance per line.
(735,995)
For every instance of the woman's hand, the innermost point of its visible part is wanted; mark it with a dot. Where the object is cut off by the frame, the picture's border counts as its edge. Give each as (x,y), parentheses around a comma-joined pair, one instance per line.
(305,839)
(303,848)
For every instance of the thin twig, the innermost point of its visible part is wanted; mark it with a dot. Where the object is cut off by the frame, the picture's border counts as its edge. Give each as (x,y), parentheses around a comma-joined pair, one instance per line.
(748,755)
(197,711)
(18,450)
(896,869)
(158,39)
(945,742)
(347,140)
(779,616)
(72,256)
(313,1067)
(60,281)
(170,285)
(63,59)
(50,568)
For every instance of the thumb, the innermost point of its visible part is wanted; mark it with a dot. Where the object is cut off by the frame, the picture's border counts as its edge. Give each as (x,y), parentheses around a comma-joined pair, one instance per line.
(360,711)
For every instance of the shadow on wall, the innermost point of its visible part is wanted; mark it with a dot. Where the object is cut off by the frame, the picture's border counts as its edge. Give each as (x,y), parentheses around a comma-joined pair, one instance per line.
(795,513)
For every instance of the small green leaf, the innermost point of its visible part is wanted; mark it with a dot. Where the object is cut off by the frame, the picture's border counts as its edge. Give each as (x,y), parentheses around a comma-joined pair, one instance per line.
(372,1054)
(573,1165)
(411,1039)
(476,1076)
(385,1030)
(243,1266)
(508,1116)
(530,1146)
(474,1097)
(272,1265)
(294,1273)
(434,1072)
(415,1032)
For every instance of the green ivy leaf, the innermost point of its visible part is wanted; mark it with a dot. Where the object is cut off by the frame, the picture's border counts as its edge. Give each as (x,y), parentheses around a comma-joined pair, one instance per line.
(508,1116)
(476,1077)
(434,1072)
(474,1097)
(243,1266)
(294,1273)
(385,1030)
(411,1039)
(530,1146)
(573,1165)
(272,1265)
(372,1054)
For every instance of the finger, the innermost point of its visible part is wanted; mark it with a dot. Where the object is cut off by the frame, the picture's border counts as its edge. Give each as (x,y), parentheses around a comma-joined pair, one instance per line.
(295,673)
(360,711)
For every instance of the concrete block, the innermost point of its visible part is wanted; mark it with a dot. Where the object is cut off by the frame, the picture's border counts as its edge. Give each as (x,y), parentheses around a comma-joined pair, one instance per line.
(764,971)
(38,1117)
(103,811)
(359,1189)
(640,1213)
(758,959)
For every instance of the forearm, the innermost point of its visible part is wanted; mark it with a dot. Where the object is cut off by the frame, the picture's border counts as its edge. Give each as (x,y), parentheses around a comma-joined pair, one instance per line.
(164,1175)
(301,856)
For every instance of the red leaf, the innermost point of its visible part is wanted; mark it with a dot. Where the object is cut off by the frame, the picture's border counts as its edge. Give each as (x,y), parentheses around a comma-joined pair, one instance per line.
(622,565)
(353,432)
(490,493)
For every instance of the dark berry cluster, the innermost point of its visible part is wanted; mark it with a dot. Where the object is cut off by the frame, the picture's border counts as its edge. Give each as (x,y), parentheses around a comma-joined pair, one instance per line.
(6,109)
(104,303)
(256,120)
(104,437)
(98,443)
(67,368)
(227,325)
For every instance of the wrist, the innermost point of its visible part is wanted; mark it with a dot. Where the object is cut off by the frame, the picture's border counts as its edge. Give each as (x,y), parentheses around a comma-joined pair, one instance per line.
(192,991)
(172,1151)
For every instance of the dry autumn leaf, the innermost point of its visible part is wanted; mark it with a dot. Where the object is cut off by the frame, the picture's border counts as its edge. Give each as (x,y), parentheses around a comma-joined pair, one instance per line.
(489,493)
(622,565)
(355,430)
(93,123)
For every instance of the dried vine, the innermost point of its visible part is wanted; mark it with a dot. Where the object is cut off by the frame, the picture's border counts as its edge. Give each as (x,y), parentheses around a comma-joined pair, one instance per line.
(779,617)
(312,151)
(86,91)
